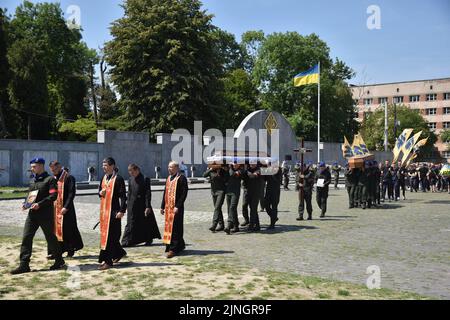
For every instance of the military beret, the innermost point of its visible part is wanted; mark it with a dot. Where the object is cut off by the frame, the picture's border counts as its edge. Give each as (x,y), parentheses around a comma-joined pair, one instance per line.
(38,160)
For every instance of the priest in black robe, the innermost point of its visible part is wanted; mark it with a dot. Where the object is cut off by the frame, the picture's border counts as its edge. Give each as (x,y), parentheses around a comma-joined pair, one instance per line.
(141,223)
(72,241)
(115,207)
(173,232)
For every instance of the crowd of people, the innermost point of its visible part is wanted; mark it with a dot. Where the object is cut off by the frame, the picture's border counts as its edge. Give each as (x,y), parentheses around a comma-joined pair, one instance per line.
(52,206)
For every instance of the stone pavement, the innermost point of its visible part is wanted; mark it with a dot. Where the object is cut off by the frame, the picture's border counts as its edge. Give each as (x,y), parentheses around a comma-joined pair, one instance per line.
(407,240)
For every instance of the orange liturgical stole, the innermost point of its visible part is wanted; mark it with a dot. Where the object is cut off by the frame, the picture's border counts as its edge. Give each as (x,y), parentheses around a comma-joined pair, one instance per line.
(105,210)
(169,208)
(58,205)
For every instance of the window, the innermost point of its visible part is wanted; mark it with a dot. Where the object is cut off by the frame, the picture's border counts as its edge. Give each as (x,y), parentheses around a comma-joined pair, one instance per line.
(431,111)
(432,125)
(368,101)
(414,98)
(383,100)
(447,110)
(446,125)
(447,96)
(431,97)
(398,99)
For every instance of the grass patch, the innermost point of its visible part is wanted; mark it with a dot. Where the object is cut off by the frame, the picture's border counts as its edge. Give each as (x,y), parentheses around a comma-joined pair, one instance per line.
(134,295)
(343,292)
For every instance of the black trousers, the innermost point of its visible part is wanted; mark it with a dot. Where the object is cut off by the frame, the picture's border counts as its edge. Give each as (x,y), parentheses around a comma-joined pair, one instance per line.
(218,200)
(321,198)
(232,204)
(35,220)
(253,200)
(399,185)
(113,248)
(389,187)
(245,205)
(307,199)
(272,199)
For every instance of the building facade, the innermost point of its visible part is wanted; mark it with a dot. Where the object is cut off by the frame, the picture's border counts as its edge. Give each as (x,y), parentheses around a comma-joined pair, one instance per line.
(430,97)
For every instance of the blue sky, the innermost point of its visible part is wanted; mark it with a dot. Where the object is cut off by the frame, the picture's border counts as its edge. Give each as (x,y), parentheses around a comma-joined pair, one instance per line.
(412,44)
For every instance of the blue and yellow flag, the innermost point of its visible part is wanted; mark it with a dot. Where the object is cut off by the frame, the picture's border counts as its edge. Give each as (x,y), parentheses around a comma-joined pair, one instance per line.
(409,145)
(307,77)
(347,150)
(401,140)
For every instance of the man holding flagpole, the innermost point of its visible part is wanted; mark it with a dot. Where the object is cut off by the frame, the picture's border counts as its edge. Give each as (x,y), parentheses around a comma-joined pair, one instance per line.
(309,77)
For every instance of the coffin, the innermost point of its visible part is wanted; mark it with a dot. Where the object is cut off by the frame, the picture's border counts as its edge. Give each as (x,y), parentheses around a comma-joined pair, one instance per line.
(358,161)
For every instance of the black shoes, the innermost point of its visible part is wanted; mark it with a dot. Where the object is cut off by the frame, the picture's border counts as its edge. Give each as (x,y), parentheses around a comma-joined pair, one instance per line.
(58,265)
(220,227)
(70,253)
(309,217)
(254,228)
(300,218)
(213,228)
(21,269)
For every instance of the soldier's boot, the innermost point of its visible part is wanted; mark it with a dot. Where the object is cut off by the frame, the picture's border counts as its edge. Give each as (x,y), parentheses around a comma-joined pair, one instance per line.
(272,223)
(21,269)
(228,228)
(300,218)
(59,264)
(363,205)
(235,229)
(310,216)
(369,204)
(220,227)
(213,227)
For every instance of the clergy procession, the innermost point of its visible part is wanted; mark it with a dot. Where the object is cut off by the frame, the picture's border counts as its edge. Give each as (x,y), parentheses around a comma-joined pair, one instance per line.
(50,203)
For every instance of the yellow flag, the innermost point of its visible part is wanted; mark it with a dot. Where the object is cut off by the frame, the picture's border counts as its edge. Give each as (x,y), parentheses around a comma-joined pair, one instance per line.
(401,140)
(415,153)
(409,145)
(347,150)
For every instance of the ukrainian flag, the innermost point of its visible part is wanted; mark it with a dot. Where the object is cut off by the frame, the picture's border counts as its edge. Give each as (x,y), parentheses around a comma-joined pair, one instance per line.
(307,77)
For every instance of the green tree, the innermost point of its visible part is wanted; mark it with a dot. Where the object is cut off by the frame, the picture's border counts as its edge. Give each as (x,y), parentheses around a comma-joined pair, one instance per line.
(163,61)
(280,56)
(372,128)
(5,73)
(240,98)
(62,58)
(28,88)
(445,137)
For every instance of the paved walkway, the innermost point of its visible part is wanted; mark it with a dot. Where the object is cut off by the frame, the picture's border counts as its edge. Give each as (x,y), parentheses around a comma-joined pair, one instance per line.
(408,240)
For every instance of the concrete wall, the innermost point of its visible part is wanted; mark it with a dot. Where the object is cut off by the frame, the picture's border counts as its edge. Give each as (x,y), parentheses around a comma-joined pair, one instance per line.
(15,156)
(126,148)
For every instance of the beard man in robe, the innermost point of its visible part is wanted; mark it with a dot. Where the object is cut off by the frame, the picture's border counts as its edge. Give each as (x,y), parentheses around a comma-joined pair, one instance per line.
(172,207)
(141,223)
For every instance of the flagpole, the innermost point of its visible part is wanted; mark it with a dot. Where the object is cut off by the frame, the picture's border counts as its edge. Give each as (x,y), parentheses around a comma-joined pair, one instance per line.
(318,120)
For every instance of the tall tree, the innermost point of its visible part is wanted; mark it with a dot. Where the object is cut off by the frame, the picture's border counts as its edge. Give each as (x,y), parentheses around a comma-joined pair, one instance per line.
(62,58)
(28,88)
(163,61)
(239,96)
(4,71)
